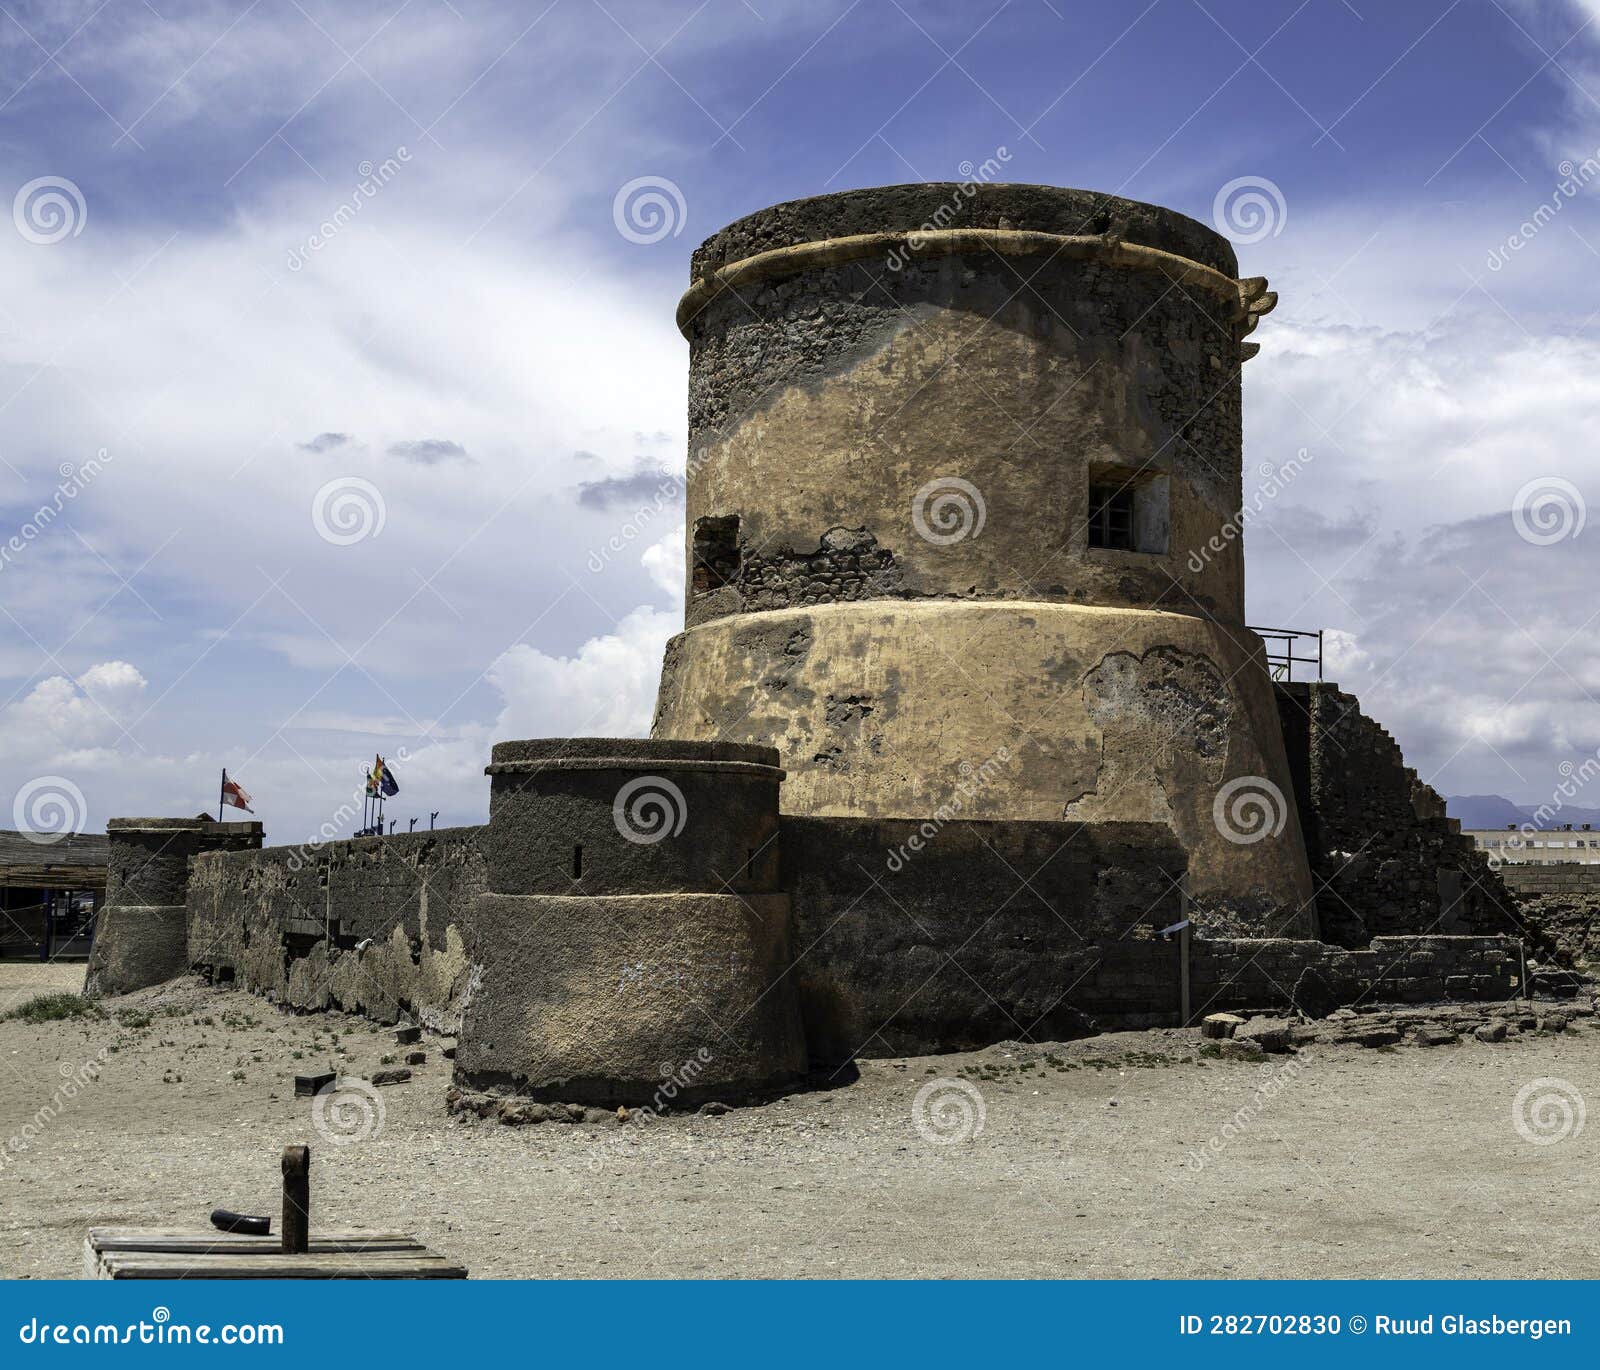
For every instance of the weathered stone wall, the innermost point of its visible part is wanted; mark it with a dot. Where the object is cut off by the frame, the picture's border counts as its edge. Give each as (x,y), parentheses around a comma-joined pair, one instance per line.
(1314,976)
(915,937)
(1137,984)
(1041,931)
(1385,859)
(1564,901)
(902,711)
(373,925)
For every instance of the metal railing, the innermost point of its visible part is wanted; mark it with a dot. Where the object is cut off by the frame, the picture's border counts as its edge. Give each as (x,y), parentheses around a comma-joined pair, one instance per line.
(1281,654)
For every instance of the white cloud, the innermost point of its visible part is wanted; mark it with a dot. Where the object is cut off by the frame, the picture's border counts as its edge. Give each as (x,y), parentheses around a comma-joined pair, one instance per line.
(665,562)
(59,714)
(606,689)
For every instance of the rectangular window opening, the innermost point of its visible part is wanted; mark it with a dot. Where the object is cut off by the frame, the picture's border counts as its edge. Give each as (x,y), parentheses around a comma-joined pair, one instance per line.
(1128,510)
(1111,517)
(716,553)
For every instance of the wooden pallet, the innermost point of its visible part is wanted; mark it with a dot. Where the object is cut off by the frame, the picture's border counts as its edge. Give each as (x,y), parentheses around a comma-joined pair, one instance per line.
(174,1253)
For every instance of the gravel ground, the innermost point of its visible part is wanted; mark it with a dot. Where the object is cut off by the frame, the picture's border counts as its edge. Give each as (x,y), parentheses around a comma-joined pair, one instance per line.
(1128,1155)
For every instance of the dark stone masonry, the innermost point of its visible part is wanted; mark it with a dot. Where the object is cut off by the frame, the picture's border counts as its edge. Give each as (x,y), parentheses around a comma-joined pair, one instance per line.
(1563,903)
(372,925)
(1385,857)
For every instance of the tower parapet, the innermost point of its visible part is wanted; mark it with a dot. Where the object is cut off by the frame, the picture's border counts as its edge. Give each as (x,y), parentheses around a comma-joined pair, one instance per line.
(141,935)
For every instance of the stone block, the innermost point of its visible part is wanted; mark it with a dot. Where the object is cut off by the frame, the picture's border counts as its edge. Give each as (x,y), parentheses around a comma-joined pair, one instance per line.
(390,1077)
(1270,1034)
(1377,1036)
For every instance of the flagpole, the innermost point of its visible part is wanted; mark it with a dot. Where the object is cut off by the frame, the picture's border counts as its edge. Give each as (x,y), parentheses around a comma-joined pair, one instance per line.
(222,793)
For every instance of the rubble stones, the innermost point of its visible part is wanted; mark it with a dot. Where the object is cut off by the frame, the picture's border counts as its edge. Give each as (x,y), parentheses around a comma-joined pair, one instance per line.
(390,1077)
(1378,1036)
(516,1112)
(1270,1034)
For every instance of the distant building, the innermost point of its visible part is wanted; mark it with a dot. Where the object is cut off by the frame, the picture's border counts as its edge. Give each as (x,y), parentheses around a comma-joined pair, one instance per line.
(1513,845)
(49,894)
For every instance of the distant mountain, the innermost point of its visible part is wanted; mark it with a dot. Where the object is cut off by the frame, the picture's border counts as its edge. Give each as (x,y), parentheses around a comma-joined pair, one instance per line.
(1496,811)
(1485,811)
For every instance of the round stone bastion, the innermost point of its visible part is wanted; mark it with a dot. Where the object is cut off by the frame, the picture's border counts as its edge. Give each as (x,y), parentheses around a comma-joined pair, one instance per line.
(634,945)
(141,933)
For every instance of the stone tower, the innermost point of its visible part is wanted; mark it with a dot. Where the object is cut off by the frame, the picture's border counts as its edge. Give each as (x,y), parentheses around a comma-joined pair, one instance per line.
(964,483)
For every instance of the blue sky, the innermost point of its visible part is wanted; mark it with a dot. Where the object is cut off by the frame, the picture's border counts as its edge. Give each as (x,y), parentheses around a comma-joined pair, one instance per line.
(478,351)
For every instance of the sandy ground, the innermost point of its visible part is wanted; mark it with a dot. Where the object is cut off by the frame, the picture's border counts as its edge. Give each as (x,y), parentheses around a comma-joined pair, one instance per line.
(1122,1156)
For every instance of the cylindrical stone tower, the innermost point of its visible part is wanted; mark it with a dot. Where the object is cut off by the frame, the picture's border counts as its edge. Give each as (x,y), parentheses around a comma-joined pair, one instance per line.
(964,481)
(141,934)
(634,946)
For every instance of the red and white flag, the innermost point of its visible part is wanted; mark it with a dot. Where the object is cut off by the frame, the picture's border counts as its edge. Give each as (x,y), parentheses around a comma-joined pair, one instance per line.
(235,794)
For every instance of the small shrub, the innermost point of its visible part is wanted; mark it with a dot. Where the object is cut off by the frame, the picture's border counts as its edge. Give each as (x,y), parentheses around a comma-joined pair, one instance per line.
(55,1008)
